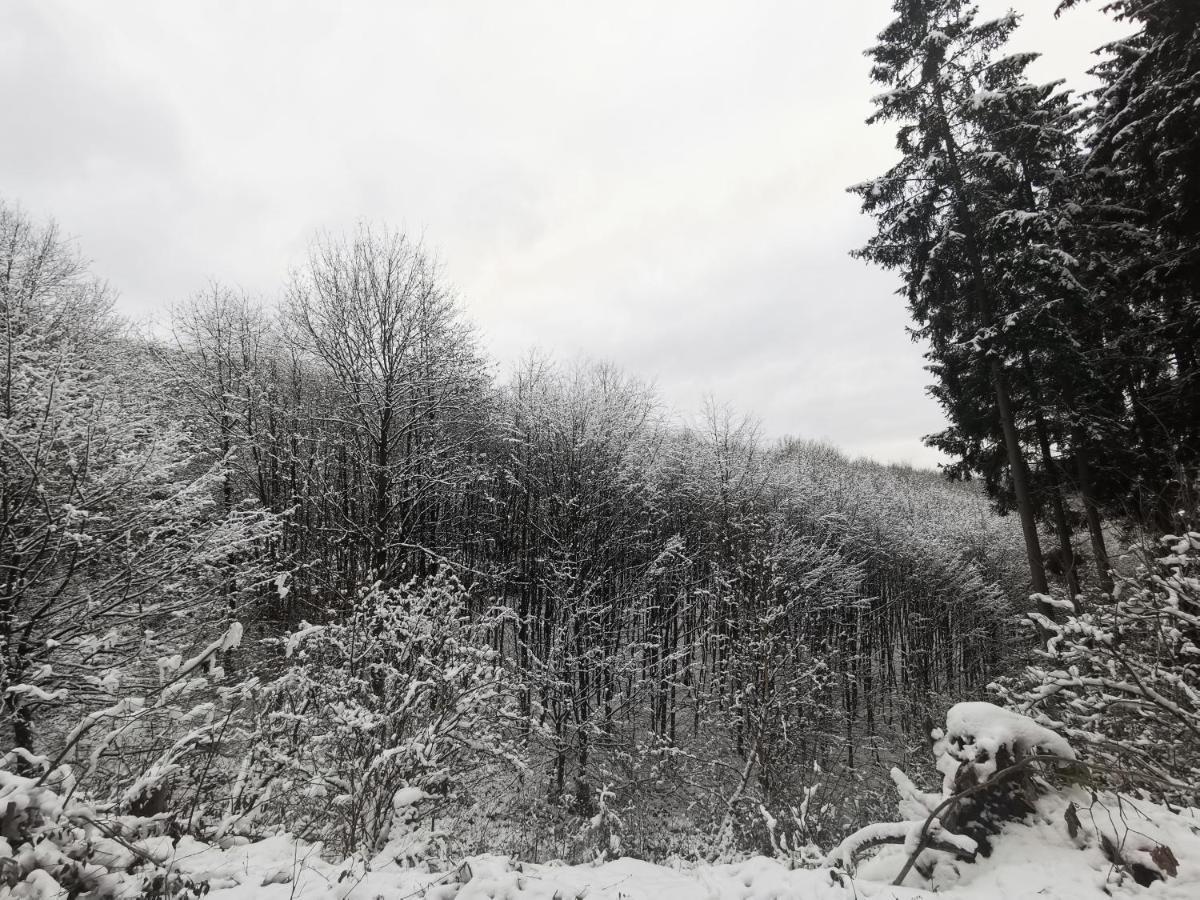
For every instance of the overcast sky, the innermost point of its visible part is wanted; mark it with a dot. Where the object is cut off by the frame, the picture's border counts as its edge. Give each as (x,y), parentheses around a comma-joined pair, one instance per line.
(661,184)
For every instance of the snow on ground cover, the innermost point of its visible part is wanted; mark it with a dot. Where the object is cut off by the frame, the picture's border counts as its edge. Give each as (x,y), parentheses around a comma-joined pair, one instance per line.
(258,871)
(1061,850)
(1034,859)
(1038,859)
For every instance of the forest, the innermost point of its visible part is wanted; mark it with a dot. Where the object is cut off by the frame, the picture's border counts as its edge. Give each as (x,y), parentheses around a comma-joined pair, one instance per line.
(315,575)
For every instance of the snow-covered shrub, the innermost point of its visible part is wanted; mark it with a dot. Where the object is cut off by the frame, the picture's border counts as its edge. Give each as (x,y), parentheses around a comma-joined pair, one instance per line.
(114,546)
(380,722)
(603,830)
(795,836)
(1009,784)
(98,815)
(51,848)
(165,747)
(1121,678)
(993,763)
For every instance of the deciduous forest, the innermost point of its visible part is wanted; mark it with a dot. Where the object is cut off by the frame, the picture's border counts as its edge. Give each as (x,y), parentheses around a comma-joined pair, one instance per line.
(306,596)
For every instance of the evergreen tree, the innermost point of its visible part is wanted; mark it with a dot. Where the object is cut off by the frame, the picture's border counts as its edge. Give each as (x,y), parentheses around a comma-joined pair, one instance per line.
(964,216)
(1143,167)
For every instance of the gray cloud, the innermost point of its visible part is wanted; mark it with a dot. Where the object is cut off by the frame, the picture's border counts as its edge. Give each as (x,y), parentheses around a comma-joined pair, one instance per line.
(658,184)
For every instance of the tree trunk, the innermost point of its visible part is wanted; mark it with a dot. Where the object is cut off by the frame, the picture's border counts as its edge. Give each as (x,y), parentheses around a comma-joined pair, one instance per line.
(1020,479)
(1058,501)
(1092,511)
(984,314)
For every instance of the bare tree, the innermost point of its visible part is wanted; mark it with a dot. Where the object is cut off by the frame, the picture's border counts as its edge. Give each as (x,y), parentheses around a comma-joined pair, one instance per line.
(372,311)
(107,526)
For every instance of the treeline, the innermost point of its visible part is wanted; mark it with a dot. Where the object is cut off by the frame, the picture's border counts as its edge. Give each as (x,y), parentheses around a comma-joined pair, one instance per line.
(688,618)
(661,585)
(1049,247)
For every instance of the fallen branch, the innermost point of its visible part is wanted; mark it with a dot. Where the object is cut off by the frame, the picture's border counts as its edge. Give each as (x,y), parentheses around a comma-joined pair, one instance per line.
(926,834)
(898,833)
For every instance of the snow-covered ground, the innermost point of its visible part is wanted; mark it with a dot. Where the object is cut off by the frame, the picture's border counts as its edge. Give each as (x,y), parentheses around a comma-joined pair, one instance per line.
(1036,859)
(1061,846)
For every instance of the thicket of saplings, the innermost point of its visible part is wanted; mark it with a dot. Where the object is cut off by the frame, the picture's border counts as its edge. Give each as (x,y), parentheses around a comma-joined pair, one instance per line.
(317,570)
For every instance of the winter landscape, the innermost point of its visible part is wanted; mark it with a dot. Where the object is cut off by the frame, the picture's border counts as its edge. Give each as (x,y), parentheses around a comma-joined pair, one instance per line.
(333,578)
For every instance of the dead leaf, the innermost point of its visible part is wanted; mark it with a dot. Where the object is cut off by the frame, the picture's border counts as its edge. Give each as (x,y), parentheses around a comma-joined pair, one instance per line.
(1165,860)
(1072,817)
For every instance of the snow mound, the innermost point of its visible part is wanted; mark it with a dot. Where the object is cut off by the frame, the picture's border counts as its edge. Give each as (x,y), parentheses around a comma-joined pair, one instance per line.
(988,727)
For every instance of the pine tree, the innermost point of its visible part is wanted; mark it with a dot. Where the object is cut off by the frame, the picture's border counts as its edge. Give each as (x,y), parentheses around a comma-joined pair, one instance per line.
(977,141)
(1144,169)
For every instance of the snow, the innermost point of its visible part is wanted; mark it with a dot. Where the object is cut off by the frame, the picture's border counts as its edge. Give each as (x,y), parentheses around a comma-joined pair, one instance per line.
(886,96)
(1040,857)
(982,97)
(975,731)
(1036,859)
(299,636)
(33,692)
(272,870)
(914,803)
(843,854)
